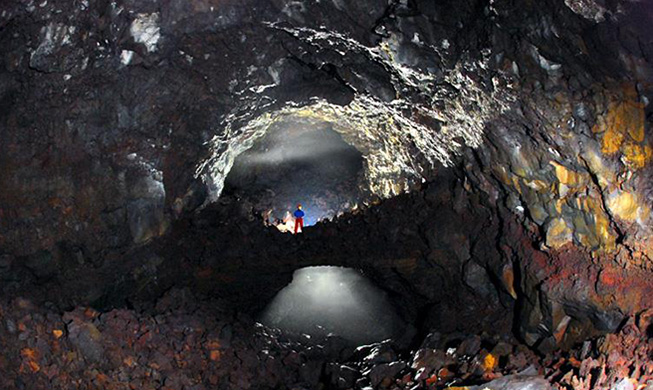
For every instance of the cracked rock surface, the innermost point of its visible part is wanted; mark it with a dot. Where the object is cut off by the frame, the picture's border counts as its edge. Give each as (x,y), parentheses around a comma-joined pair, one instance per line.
(506,167)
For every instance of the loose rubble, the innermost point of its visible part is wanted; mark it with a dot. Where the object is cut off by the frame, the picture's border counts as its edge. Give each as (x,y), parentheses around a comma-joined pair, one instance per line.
(522,128)
(189,344)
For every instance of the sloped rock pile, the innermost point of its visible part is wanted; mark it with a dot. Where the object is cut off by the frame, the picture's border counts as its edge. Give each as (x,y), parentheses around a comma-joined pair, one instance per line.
(185,343)
(179,344)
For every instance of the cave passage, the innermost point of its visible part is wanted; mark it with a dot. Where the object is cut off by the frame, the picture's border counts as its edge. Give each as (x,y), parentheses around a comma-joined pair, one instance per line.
(334,300)
(483,169)
(297,163)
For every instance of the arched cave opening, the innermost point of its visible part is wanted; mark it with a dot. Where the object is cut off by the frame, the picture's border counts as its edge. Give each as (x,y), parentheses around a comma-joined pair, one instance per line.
(297,162)
(322,301)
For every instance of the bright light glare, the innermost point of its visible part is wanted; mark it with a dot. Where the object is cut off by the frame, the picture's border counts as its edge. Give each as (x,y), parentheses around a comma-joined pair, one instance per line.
(296,163)
(322,300)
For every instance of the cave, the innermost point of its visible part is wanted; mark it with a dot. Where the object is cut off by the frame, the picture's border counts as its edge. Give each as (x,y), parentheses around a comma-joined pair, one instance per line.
(481,168)
(334,301)
(296,162)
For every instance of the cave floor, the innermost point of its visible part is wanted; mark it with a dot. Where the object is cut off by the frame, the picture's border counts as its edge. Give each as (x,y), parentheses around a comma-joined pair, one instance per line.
(188,343)
(178,327)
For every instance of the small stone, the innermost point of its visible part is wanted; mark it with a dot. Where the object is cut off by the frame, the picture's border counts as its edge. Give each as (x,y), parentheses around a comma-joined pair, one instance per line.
(11,326)
(515,382)
(214,355)
(87,338)
(502,349)
(385,371)
(344,377)
(470,346)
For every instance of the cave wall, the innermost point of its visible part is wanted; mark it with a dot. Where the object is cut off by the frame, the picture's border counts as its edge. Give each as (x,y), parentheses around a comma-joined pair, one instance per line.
(118,118)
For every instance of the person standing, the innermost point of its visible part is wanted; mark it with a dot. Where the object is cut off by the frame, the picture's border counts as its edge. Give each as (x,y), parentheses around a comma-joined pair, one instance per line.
(299,218)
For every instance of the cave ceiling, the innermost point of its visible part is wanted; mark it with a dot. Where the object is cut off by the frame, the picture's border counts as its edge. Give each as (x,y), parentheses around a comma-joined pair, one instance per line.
(162,96)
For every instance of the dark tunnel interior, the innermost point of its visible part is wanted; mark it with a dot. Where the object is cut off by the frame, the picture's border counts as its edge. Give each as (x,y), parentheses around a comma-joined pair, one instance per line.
(476,178)
(297,163)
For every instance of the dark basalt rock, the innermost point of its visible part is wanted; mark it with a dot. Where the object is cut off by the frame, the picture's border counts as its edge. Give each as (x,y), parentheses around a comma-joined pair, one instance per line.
(521,129)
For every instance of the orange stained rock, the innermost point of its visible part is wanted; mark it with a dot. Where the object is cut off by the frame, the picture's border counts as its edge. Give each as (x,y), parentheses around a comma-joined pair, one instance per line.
(28,353)
(602,229)
(129,361)
(489,362)
(57,333)
(215,355)
(609,277)
(574,362)
(509,281)
(636,156)
(432,380)
(102,378)
(636,131)
(614,135)
(180,360)
(537,185)
(558,205)
(558,233)
(34,366)
(444,373)
(598,165)
(561,329)
(502,174)
(626,206)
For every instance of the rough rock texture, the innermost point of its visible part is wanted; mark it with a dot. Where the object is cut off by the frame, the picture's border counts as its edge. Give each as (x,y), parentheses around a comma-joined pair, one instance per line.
(185,342)
(136,99)
(297,163)
(530,121)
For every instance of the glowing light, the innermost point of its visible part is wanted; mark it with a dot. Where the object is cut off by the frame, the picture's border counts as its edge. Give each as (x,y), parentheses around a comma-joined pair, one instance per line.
(298,162)
(323,300)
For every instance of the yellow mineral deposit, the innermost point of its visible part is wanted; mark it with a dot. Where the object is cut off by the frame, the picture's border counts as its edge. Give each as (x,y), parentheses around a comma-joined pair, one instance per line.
(628,206)
(558,233)
(622,129)
(489,362)
(636,156)
(568,177)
